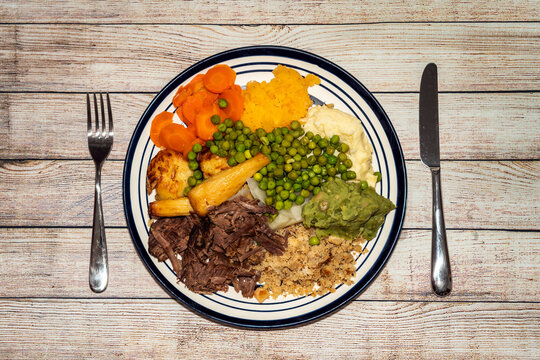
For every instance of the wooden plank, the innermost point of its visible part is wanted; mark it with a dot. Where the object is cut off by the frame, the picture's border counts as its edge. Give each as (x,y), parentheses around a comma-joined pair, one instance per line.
(477,194)
(472,126)
(258,12)
(164,329)
(385,57)
(486,266)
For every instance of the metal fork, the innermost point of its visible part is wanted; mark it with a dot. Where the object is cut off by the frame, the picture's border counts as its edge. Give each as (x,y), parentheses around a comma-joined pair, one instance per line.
(100,141)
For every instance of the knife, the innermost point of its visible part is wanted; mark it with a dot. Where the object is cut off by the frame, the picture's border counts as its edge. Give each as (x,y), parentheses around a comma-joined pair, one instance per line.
(441,276)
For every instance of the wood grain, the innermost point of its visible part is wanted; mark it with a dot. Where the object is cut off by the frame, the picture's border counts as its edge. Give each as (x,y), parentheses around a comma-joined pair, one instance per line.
(473,126)
(477,194)
(362,330)
(385,57)
(256,12)
(486,266)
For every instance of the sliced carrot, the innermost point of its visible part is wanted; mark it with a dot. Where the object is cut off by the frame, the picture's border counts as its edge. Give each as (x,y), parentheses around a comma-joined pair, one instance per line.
(184,92)
(176,137)
(161,120)
(196,102)
(192,129)
(205,128)
(182,117)
(219,78)
(235,102)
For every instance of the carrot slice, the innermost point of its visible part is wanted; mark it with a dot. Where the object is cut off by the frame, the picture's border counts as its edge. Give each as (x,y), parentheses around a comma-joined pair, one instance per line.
(196,102)
(219,78)
(184,92)
(205,128)
(235,102)
(160,121)
(176,137)
(182,117)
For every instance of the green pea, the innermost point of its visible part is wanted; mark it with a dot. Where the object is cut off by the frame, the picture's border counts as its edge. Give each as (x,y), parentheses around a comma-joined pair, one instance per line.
(287,185)
(315,181)
(378,175)
(323,143)
(289,138)
(342,168)
(213,149)
(296,144)
(280,160)
(343,147)
(293,175)
(232,152)
(332,160)
(295,125)
(284,130)
(296,165)
(241,137)
(297,187)
(281,150)
(270,192)
(222,153)
(322,160)
(348,163)
(342,157)
(299,200)
(240,147)
(260,133)
(314,241)
(316,169)
(304,141)
(247,154)
(192,181)
(316,138)
(286,143)
(324,172)
(317,151)
(311,160)
(292,151)
(218,135)
(309,135)
(334,139)
(197,174)
(279,182)
(209,143)
(278,173)
(271,184)
(284,194)
(364,185)
(304,193)
(277,131)
(187,189)
(268,201)
(330,149)
(228,123)
(265,149)
(287,168)
(316,190)
(351,175)
(199,181)
(239,125)
(193,165)
(258,176)
(310,188)
(292,196)
(246,131)
(265,140)
(331,171)
(233,135)
(215,119)
(264,171)
(303,164)
(274,155)
(279,205)
(191,155)
(278,139)
(302,151)
(271,137)
(197,148)
(232,161)
(271,167)
(311,145)
(222,103)
(287,204)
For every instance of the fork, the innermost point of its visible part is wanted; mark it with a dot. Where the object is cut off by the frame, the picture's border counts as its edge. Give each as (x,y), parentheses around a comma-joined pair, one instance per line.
(100,141)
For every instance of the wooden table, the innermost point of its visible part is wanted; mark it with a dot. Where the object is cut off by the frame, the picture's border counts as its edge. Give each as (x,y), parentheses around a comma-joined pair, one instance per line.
(488,54)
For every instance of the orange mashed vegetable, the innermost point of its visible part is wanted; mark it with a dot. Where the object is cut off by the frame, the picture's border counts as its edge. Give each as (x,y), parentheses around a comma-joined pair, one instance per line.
(277,103)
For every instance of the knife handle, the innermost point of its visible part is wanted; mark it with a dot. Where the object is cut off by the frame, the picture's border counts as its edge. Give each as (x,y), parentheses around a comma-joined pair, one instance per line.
(441,276)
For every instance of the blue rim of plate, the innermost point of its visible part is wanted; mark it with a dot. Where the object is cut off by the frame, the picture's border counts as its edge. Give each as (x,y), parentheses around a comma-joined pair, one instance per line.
(360,89)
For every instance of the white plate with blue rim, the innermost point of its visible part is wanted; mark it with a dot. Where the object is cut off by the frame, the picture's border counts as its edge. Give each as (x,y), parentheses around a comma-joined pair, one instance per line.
(337,87)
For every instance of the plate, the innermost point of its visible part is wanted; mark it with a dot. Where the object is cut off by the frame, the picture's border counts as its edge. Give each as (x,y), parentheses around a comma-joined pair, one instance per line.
(337,87)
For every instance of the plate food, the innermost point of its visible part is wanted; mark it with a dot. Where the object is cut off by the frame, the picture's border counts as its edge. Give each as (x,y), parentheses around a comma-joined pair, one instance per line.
(337,87)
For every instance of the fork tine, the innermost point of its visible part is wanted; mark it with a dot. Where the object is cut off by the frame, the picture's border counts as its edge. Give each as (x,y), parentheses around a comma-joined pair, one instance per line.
(89,110)
(111,129)
(97,114)
(102,115)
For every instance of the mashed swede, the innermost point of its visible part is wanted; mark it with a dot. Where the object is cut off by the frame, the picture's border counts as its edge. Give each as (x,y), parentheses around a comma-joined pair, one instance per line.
(328,121)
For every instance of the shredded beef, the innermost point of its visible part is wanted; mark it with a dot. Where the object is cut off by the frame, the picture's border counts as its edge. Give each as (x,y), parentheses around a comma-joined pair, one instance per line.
(218,250)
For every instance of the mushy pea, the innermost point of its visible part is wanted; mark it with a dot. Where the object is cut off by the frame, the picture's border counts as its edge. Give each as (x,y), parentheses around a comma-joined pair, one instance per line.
(346,210)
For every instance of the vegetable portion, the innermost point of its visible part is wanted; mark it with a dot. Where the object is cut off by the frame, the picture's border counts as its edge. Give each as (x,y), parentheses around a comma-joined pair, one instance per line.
(220,187)
(170,208)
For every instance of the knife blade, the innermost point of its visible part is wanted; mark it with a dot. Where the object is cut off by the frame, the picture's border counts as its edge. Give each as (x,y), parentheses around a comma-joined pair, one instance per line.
(429,117)
(441,275)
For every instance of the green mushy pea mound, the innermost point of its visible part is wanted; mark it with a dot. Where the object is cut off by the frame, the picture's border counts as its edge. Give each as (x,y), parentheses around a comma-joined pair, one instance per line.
(345,210)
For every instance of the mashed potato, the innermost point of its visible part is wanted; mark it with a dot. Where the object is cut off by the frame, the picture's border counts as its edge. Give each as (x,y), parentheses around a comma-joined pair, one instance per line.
(327,122)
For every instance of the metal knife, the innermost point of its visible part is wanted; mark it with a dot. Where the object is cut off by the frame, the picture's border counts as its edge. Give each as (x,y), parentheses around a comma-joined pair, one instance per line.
(441,276)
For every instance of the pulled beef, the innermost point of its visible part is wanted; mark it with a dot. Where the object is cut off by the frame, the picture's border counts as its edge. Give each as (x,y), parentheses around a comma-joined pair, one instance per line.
(218,250)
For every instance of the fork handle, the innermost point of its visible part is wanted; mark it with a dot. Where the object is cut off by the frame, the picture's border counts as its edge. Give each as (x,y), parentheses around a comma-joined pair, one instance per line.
(99,266)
